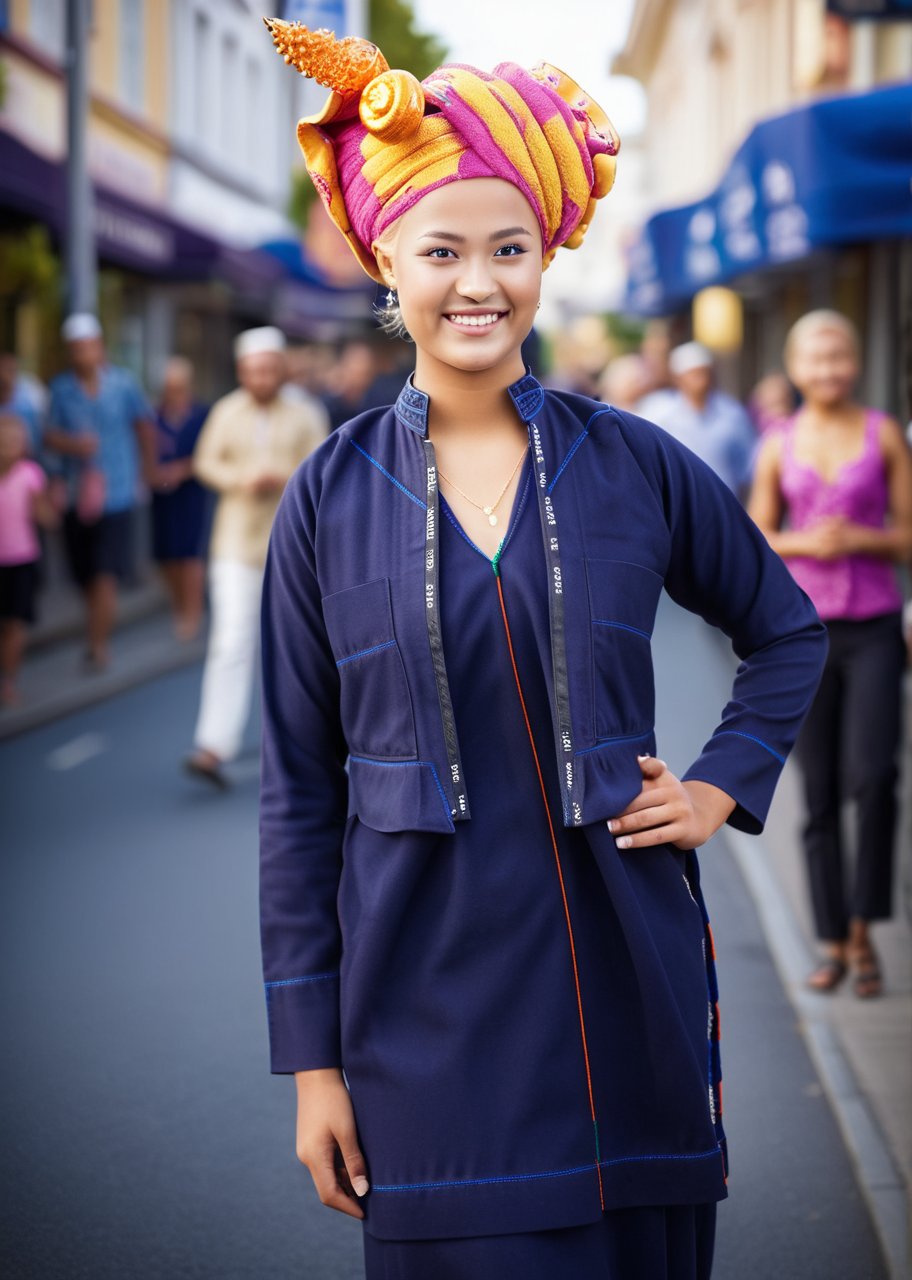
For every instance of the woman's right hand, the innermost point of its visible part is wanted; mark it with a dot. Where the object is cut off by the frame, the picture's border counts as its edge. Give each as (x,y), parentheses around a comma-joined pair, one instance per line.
(829,539)
(327,1140)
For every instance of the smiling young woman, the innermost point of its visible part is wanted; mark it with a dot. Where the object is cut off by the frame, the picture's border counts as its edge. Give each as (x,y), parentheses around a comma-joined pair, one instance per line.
(477,878)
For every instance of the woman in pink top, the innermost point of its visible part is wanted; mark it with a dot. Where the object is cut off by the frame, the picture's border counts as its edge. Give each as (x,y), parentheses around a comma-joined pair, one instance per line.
(23,502)
(840,476)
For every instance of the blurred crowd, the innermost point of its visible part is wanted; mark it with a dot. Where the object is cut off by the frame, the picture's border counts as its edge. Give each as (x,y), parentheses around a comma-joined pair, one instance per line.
(87,453)
(91,457)
(828,482)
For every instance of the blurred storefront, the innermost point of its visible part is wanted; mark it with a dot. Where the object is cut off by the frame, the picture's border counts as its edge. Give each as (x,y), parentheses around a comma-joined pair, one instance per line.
(780,141)
(191,148)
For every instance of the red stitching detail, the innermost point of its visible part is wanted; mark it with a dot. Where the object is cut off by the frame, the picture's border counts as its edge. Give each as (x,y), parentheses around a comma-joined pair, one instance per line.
(560,876)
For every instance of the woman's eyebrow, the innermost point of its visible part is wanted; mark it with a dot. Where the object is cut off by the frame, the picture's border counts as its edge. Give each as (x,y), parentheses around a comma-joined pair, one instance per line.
(451,235)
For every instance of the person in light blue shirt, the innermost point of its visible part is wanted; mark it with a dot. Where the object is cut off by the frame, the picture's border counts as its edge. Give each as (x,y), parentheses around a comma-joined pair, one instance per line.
(710,423)
(100,424)
(18,397)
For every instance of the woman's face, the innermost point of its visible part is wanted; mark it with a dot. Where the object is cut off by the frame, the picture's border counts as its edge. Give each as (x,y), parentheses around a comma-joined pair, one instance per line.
(466,262)
(824,366)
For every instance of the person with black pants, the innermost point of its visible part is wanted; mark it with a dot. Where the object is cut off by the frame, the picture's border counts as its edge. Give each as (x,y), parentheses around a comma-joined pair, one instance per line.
(842,477)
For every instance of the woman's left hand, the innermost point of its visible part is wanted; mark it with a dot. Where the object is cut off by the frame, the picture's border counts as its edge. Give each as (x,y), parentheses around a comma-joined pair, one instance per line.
(668,811)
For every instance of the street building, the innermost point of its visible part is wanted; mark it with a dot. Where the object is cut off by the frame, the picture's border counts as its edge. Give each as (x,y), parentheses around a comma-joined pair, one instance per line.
(191,152)
(776,161)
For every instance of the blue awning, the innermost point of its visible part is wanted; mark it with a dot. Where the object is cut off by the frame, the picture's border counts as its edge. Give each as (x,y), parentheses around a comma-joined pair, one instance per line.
(837,171)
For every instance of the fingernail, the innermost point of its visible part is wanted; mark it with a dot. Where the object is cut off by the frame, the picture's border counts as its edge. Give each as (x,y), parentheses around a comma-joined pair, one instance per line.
(612,825)
(624,842)
(361,1186)
(644,756)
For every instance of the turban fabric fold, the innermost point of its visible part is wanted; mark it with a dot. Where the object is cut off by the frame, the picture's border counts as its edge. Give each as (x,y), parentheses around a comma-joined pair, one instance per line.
(383,140)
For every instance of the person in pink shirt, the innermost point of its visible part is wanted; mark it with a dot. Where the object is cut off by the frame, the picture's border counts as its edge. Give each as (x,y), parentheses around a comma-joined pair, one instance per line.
(840,476)
(24,504)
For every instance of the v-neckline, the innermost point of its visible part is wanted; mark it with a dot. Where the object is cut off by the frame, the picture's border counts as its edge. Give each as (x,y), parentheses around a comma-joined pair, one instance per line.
(519,499)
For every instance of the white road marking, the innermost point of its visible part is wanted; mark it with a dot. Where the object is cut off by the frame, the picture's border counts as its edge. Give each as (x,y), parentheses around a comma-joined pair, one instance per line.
(76,752)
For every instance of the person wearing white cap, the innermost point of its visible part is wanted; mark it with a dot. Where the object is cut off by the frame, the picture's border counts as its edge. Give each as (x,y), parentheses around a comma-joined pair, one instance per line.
(707,421)
(100,425)
(251,443)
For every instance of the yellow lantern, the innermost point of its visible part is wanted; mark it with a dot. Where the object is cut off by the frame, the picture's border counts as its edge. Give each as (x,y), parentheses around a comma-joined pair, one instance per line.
(718,320)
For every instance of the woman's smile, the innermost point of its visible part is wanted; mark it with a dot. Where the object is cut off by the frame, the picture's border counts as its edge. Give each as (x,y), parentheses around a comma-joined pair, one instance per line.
(475,323)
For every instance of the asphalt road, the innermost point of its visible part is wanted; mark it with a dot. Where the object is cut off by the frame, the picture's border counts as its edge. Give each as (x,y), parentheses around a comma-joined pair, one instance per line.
(142,1134)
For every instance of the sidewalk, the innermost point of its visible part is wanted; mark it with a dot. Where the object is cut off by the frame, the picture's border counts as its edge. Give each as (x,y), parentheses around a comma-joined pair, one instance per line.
(862,1049)
(53,682)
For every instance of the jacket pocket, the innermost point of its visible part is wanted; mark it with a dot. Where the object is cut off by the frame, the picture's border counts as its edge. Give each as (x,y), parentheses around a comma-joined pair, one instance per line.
(376,706)
(623,599)
(397,795)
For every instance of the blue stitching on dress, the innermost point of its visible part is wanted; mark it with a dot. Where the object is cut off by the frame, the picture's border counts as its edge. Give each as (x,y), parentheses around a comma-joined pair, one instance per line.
(689,1155)
(458,527)
(519,511)
(294,982)
(576,444)
(608,742)
(410,764)
(531,1177)
(572,450)
(408,493)
(361,652)
(750,737)
(483,1182)
(603,622)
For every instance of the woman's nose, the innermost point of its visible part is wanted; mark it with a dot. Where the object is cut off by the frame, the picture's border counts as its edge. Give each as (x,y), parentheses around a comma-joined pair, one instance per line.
(476,281)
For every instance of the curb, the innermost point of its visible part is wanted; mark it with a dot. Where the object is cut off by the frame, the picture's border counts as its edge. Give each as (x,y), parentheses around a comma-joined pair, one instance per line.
(881,1182)
(99,688)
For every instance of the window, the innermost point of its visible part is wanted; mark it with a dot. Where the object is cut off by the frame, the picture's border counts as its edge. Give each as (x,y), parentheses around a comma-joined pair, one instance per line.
(253,116)
(202,53)
(132,53)
(47,26)
(230,102)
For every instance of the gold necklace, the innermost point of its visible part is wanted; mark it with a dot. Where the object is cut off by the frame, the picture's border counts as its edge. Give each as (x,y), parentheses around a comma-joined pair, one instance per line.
(489,511)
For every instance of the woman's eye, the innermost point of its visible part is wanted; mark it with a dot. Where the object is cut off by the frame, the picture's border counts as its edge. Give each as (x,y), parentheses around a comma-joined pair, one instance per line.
(509,250)
(439,252)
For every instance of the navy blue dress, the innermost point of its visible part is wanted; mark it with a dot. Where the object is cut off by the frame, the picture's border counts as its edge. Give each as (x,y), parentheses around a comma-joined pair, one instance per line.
(525,1014)
(181,518)
(530,886)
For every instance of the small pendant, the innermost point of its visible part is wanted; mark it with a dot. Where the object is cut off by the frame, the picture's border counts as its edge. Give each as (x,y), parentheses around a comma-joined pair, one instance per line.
(487,510)
(492,520)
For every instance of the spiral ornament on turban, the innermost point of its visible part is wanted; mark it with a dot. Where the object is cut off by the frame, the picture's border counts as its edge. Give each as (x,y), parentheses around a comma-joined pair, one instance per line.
(383,140)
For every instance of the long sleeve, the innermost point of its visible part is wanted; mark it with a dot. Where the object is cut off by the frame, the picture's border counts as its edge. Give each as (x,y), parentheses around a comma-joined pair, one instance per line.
(303,802)
(214,461)
(722,568)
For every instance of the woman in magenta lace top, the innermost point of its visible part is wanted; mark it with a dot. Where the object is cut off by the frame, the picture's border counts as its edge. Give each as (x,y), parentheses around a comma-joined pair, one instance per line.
(839,477)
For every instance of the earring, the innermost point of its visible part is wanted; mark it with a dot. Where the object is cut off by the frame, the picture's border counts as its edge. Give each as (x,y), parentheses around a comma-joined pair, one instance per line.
(391,299)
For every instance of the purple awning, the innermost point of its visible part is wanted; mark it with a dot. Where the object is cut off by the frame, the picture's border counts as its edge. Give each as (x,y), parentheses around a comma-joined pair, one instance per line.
(128,234)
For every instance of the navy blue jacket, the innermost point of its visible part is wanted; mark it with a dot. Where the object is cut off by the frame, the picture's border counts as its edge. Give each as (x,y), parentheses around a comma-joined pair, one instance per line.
(364,780)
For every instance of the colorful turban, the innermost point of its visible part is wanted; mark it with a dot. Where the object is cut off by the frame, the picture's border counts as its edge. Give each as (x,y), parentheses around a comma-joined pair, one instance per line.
(383,140)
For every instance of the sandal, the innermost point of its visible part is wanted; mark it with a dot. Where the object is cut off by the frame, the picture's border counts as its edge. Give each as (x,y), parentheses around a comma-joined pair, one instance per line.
(867,980)
(827,976)
(200,767)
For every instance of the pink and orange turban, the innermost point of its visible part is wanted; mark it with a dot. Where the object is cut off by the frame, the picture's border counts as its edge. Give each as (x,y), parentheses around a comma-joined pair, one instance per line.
(383,140)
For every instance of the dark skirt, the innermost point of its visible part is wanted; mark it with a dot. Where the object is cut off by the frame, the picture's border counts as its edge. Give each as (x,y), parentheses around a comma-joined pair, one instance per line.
(180,522)
(649,1243)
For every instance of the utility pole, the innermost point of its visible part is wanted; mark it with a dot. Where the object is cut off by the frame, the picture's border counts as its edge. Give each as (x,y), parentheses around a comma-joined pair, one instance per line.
(81,264)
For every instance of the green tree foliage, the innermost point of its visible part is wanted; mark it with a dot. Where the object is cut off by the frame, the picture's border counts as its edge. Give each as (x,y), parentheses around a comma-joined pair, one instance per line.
(392,29)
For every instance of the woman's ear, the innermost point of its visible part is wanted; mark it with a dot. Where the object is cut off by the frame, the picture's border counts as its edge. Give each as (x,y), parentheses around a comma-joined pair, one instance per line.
(385,263)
